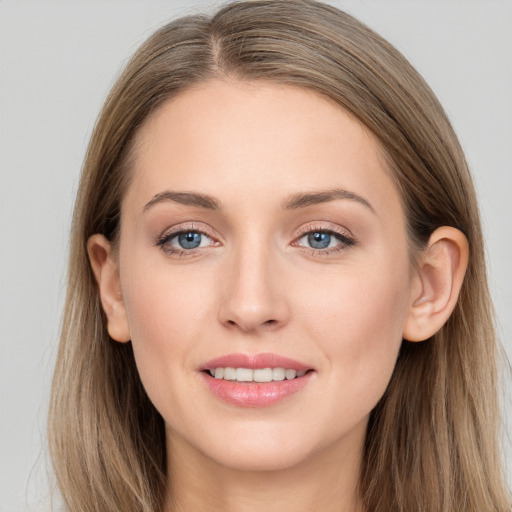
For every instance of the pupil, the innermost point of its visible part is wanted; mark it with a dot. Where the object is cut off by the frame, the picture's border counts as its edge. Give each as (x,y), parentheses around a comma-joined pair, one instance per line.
(189,240)
(319,240)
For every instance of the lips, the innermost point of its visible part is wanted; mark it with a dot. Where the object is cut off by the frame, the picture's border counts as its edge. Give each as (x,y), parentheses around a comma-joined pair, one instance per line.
(254,361)
(258,380)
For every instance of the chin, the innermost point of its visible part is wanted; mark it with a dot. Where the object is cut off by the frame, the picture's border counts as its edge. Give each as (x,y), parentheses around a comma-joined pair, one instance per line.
(262,459)
(264,446)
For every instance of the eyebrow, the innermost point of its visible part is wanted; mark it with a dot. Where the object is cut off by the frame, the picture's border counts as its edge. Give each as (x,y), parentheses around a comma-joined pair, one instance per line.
(302,200)
(186,198)
(294,202)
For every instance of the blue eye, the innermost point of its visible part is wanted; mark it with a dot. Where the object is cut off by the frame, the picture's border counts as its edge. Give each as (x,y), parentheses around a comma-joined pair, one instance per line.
(184,241)
(319,240)
(190,240)
(325,240)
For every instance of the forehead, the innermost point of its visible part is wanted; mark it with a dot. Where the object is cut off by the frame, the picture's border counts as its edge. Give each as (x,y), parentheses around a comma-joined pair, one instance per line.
(239,140)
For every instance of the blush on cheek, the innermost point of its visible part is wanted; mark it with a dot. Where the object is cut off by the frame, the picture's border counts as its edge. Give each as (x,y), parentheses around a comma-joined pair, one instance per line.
(167,318)
(360,323)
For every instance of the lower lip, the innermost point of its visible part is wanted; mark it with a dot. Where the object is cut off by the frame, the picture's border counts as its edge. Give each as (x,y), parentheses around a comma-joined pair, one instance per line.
(255,394)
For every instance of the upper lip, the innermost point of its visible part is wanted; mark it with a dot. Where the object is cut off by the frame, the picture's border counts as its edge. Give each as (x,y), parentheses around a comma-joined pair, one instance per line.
(254,361)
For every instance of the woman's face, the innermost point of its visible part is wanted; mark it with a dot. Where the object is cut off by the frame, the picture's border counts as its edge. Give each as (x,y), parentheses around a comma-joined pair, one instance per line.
(262,230)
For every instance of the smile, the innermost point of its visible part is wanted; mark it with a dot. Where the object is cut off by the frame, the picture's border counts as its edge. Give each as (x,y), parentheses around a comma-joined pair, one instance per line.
(255,380)
(255,375)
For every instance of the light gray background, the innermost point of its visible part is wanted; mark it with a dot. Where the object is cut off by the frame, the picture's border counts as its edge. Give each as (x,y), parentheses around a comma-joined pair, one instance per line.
(58,59)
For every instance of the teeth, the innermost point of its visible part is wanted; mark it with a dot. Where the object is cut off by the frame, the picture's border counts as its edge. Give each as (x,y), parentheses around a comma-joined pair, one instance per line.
(278,373)
(257,375)
(290,374)
(244,375)
(264,375)
(229,374)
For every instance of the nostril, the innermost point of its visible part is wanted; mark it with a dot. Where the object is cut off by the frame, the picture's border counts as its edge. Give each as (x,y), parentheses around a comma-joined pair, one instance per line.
(266,323)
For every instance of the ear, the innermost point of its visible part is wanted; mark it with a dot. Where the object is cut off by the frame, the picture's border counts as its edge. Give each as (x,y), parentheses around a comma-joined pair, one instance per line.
(439,278)
(105,267)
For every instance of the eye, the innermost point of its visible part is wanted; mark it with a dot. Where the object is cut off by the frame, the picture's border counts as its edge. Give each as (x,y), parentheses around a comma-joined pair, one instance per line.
(320,240)
(324,241)
(184,241)
(189,240)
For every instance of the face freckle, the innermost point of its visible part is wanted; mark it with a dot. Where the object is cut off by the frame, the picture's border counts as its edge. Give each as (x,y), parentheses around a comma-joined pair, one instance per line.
(261,220)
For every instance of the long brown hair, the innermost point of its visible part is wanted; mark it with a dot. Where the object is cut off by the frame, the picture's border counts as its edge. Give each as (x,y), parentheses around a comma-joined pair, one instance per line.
(432,441)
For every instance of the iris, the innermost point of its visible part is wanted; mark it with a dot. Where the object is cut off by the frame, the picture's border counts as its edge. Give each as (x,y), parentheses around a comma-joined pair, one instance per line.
(190,240)
(319,240)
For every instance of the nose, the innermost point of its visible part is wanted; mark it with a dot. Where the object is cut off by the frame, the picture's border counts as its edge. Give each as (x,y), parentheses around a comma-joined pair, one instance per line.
(253,292)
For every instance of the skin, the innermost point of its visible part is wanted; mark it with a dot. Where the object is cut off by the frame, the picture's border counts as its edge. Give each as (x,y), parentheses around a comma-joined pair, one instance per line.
(255,285)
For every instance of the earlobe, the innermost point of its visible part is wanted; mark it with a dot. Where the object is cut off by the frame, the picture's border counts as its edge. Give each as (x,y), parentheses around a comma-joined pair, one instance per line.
(106,272)
(439,278)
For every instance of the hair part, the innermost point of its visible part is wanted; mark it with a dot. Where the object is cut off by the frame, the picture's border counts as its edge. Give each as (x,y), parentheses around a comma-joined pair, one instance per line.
(432,442)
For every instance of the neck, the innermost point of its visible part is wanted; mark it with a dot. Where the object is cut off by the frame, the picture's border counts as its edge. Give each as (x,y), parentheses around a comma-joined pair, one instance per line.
(327,481)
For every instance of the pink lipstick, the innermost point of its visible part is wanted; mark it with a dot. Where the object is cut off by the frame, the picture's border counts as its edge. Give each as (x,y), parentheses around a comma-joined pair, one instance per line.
(257,380)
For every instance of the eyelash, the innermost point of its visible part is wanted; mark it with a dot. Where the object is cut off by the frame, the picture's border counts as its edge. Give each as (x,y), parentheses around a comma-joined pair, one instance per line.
(163,240)
(345,241)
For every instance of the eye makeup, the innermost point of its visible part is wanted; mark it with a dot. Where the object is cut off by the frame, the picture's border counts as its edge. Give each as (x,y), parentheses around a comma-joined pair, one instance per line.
(185,240)
(189,239)
(323,240)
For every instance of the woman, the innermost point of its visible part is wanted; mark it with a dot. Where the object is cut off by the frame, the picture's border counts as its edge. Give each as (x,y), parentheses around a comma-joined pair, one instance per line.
(277,293)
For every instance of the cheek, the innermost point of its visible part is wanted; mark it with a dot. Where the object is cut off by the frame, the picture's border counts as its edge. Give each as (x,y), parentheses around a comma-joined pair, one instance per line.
(163,300)
(168,315)
(357,321)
